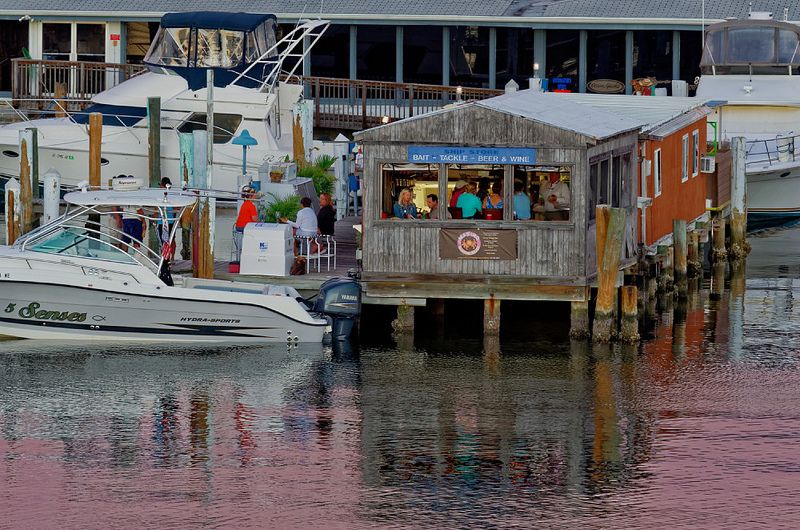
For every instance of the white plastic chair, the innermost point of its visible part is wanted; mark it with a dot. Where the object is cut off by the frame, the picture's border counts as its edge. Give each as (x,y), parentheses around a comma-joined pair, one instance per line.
(328,252)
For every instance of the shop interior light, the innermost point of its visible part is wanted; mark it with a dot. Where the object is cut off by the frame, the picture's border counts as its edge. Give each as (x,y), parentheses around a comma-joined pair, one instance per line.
(385,120)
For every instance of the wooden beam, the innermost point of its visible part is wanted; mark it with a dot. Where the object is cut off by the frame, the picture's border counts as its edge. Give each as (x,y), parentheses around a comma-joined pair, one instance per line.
(609,248)
(25,188)
(566,293)
(95,143)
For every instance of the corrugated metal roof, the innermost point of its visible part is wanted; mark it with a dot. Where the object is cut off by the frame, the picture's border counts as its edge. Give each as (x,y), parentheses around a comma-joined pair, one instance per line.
(605,9)
(651,111)
(564,112)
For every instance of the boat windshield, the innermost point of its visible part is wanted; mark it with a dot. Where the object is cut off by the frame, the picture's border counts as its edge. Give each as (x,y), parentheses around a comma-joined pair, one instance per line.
(747,46)
(72,241)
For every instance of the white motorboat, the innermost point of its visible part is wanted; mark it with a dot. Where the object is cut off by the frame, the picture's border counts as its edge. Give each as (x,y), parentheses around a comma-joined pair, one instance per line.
(248,64)
(751,68)
(81,277)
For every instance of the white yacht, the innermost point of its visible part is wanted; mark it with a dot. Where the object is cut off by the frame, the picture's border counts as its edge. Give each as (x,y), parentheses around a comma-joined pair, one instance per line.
(751,68)
(81,277)
(248,64)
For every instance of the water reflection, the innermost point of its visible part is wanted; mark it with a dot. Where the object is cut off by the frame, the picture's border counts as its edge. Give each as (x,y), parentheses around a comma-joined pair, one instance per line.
(441,433)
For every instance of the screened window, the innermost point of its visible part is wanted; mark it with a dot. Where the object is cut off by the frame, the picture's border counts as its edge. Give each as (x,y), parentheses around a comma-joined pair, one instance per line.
(751,45)
(695,152)
(330,57)
(562,59)
(657,173)
(469,56)
(56,39)
(376,56)
(685,158)
(225,125)
(514,56)
(406,188)
(422,54)
(170,47)
(220,48)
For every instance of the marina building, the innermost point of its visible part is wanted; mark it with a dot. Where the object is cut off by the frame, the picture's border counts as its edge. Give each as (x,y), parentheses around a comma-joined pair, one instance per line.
(578,45)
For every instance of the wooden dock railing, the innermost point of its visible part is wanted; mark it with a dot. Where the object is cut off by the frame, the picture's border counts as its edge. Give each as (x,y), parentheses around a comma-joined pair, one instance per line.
(349,104)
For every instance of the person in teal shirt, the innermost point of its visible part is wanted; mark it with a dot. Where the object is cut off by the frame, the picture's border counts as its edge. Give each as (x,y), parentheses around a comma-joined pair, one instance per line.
(469,203)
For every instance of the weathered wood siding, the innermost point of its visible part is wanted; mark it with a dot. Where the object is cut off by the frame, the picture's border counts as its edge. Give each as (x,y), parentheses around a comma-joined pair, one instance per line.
(545,249)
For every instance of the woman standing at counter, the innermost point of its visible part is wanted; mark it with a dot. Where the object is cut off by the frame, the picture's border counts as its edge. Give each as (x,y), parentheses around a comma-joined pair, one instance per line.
(469,203)
(404,208)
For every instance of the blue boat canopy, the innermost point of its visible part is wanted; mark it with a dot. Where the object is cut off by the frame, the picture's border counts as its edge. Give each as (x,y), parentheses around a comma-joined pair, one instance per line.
(112,114)
(215,20)
(188,44)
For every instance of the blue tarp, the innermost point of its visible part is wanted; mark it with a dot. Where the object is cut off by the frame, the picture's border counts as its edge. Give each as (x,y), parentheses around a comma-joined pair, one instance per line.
(113,114)
(214,20)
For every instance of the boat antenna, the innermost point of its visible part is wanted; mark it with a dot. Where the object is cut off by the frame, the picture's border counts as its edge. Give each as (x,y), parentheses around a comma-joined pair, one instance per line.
(786,14)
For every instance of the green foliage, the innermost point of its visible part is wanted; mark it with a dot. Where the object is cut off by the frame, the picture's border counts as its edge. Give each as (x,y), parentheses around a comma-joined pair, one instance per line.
(323,182)
(325,162)
(275,207)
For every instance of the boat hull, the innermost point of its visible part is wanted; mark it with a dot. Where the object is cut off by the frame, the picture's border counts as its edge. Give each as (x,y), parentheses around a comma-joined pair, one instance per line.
(773,196)
(36,310)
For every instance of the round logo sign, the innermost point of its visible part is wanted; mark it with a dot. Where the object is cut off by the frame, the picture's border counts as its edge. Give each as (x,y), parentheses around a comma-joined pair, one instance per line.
(606,86)
(469,243)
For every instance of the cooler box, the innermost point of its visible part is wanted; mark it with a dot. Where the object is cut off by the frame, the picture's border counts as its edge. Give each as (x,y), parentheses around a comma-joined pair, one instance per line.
(267,249)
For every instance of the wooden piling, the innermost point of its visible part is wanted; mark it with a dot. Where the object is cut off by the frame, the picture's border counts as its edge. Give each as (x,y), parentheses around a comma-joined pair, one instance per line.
(491,316)
(154,141)
(61,104)
(34,154)
(579,320)
(610,233)
(95,146)
(694,262)
(739,248)
(719,253)
(298,144)
(680,251)
(629,325)
(11,225)
(404,323)
(25,187)
(665,279)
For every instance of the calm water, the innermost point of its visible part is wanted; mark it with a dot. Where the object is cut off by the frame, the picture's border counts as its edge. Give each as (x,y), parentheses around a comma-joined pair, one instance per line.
(698,426)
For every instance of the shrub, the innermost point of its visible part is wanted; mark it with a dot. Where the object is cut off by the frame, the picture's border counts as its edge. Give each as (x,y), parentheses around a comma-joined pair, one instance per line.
(275,207)
(323,182)
(325,162)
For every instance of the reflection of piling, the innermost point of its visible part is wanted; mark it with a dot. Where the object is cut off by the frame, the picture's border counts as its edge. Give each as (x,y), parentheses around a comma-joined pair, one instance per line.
(718,253)
(680,250)
(679,317)
(610,230)
(718,280)
(629,325)
(738,278)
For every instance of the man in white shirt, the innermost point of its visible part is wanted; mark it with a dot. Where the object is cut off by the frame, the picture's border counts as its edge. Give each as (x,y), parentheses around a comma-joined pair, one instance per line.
(557,197)
(306,223)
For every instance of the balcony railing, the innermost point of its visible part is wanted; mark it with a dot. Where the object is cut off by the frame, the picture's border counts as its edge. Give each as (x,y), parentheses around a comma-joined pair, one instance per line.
(352,104)
(38,84)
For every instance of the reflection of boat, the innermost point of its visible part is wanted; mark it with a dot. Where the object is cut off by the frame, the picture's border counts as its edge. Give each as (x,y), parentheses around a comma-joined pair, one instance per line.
(74,278)
(752,66)
(247,61)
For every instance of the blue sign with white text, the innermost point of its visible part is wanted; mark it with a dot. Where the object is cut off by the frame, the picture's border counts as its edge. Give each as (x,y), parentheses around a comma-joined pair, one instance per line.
(471,155)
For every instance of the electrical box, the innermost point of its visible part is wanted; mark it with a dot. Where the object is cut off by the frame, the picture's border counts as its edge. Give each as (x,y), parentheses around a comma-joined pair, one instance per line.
(267,249)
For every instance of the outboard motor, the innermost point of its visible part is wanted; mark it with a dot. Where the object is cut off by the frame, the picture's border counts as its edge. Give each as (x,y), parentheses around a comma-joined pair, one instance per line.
(340,299)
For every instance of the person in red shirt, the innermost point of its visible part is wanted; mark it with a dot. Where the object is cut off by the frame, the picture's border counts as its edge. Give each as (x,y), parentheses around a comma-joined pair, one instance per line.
(247,214)
(457,190)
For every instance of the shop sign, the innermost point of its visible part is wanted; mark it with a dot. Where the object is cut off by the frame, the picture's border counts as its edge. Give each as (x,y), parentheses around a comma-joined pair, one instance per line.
(606,86)
(470,155)
(477,243)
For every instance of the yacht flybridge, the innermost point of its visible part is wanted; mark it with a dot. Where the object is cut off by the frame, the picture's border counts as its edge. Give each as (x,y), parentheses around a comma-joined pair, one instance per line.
(248,63)
(84,277)
(752,67)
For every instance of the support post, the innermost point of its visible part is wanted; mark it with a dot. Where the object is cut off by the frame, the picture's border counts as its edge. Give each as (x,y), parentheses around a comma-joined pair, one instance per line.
(579,320)
(491,316)
(35,162)
(665,279)
(740,248)
(680,249)
(404,323)
(719,253)
(12,211)
(52,195)
(205,261)
(25,197)
(492,58)
(95,143)
(445,56)
(629,326)
(583,38)
(676,54)
(628,62)
(610,233)
(61,105)
(694,263)
(540,50)
(154,141)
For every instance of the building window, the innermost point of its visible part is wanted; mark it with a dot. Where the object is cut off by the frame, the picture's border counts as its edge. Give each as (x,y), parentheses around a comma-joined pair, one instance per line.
(225,125)
(514,56)
(469,56)
(606,56)
(375,55)
(695,152)
(422,54)
(562,59)
(404,182)
(685,158)
(657,173)
(330,57)
(652,54)
(547,188)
